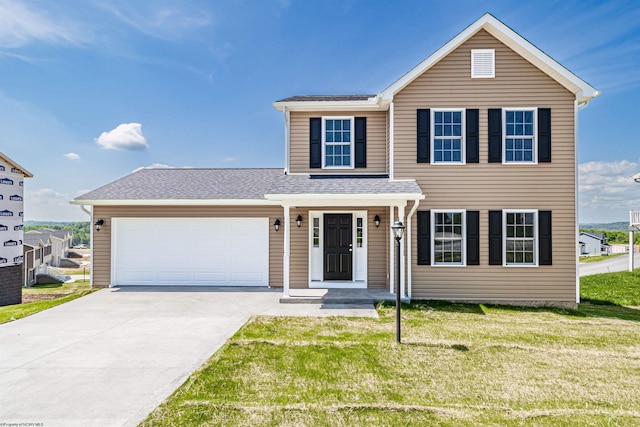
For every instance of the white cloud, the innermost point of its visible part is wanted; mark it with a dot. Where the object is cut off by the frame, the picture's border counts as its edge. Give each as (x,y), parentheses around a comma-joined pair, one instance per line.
(165,22)
(606,190)
(229,159)
(72,156)
(126,137)
(21,24)
(153,166)
(47,204)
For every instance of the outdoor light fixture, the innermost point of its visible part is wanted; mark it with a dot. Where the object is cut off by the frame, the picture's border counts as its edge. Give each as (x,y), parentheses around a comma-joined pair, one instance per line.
(398,232)
(299,221)
(98,224)
(376,221)
(276,225)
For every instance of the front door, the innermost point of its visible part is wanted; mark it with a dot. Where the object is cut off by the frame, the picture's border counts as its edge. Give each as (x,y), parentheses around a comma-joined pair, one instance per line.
(338,247)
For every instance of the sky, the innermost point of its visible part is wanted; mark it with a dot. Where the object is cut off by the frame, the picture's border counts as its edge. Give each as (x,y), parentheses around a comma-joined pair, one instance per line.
(91,90)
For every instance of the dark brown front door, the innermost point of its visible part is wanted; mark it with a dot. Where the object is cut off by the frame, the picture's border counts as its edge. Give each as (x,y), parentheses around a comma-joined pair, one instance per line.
(338,247)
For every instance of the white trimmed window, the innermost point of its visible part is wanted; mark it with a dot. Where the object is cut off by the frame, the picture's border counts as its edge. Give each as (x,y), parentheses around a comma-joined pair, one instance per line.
(337,142)
(520,139)
(447,134)
(448,241)
(520,236)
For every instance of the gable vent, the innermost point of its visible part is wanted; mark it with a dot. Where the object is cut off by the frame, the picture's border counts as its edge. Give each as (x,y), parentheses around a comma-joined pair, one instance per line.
(483,64)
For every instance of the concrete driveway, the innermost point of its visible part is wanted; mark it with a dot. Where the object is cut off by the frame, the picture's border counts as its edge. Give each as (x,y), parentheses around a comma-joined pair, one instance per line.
(620,263)
(109,358)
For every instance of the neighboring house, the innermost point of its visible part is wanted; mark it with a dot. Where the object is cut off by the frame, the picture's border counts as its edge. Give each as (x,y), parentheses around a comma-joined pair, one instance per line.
(59,240)
(11,229)
(593,243)
(37,253)
(473,149)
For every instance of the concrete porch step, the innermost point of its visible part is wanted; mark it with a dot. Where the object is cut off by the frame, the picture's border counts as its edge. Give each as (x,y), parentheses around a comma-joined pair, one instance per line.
(338,296)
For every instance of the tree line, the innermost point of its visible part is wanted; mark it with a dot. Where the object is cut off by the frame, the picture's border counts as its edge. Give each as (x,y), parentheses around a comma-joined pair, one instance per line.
(615,237)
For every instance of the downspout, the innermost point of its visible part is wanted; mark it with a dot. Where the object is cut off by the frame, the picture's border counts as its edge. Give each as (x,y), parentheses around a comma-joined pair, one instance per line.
(90,213)
(411,212)
(576,108)
(287,122)
(391,141)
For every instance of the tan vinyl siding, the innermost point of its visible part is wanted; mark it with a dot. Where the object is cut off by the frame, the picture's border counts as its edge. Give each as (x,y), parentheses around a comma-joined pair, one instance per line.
(492,186)
(378,250)
(102,239)
(376,142)
(377,246)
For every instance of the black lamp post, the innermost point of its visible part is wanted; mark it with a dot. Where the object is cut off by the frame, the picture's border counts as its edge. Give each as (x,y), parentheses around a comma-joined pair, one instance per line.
(398,232)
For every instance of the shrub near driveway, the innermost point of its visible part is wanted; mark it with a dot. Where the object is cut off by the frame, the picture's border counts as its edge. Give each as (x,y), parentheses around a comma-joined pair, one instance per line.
(458,365)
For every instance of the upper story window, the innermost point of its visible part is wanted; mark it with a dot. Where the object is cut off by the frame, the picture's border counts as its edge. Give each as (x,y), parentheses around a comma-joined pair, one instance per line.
(520,142)
(337,142)
(447,135)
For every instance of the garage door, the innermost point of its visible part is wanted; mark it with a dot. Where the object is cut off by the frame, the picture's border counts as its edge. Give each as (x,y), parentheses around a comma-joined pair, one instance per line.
(190,251)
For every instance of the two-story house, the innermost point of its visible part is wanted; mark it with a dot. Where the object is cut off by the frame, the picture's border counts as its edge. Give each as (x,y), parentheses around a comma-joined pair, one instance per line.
(474,149)
(12,177)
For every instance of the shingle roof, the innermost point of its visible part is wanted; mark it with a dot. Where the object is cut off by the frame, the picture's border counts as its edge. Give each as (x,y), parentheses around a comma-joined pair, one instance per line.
(44,233)
(33,239)
(180,184)
(311,98)
(212,184)
(328,184)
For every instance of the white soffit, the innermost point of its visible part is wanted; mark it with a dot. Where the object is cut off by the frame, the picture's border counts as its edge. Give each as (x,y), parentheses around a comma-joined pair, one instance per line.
(582,90)
(371,104)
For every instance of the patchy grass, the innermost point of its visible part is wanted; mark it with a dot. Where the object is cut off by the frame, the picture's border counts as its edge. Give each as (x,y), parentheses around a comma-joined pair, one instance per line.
(459,365)
(621,288)
(597,258)
(41,297)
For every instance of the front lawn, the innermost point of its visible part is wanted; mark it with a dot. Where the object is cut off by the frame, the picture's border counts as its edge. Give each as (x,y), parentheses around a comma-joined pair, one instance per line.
(621,288)
(598,258)
(459,365)
(42,297)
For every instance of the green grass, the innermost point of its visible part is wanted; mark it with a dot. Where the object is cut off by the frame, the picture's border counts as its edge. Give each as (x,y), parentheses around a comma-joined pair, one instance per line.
(599,258)
(459,365)
(621,288)
(64,292)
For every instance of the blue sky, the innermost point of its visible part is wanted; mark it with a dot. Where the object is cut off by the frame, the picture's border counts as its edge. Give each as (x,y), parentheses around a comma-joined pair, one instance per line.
(91,90)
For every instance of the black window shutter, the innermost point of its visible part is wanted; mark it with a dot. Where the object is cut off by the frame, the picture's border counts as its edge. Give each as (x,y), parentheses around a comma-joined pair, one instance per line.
(361,142)
(473,142)
(315,142)
(424,238)
(544,135)
(544,238)
(495,135)
(424,133)
(473,238)
(495,237)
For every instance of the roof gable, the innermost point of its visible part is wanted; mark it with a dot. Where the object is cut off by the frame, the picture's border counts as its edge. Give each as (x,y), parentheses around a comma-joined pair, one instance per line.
(13,164)
(581,89)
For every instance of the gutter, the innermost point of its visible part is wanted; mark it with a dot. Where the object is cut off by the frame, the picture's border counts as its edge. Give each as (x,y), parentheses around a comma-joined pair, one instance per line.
(413,210)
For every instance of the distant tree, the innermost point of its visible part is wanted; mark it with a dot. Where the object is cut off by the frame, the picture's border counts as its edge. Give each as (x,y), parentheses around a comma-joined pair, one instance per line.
(615,237)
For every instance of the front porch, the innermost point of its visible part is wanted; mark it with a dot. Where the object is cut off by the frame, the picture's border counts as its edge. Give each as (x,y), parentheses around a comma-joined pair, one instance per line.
(338,296)
(634,219)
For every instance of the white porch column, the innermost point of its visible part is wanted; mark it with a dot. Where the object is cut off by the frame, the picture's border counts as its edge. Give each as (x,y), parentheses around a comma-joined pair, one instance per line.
(287,245)
(392,256)
(403,290)
(631,248)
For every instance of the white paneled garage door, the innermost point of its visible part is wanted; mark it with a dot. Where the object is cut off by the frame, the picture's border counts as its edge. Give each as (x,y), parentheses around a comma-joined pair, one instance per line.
(190,251)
